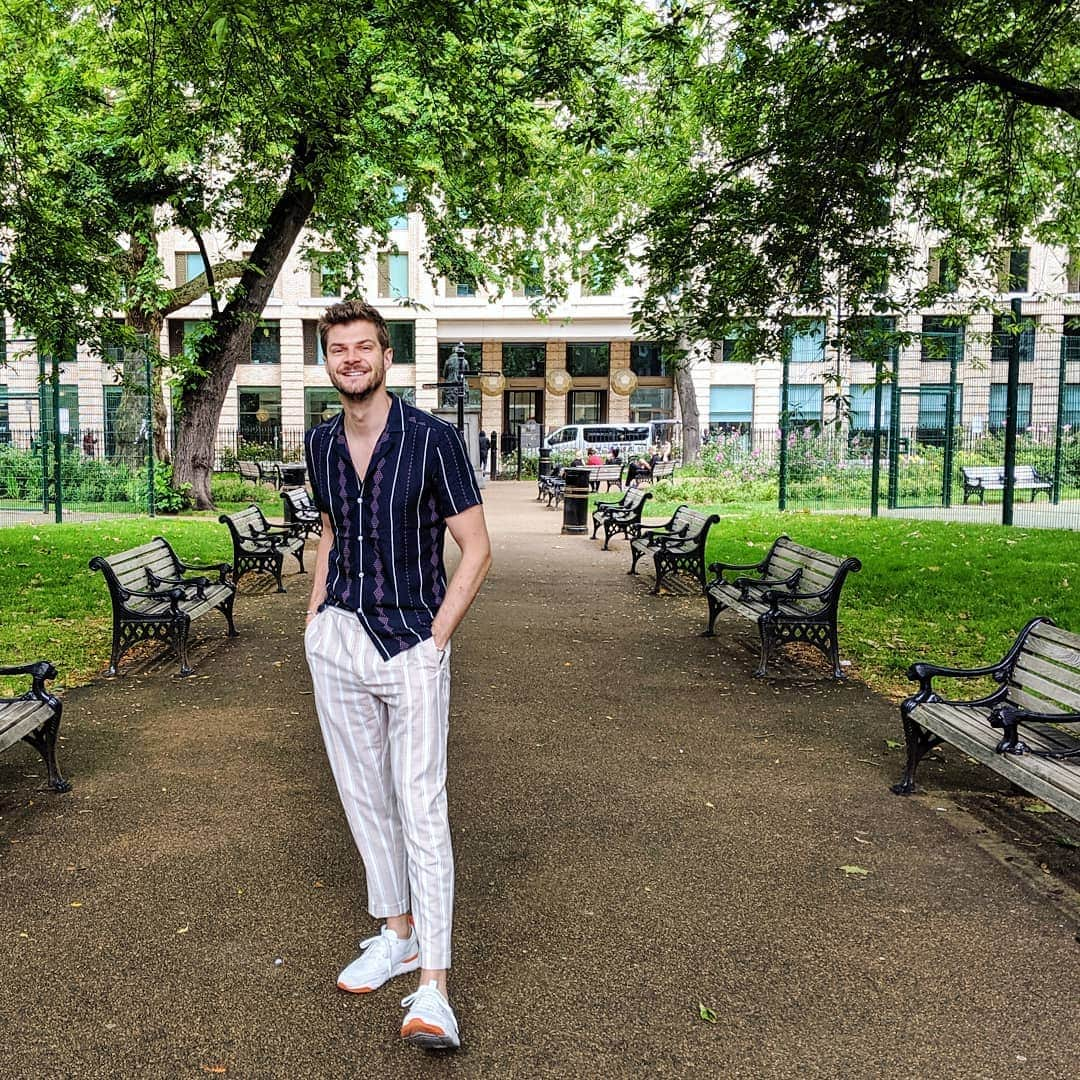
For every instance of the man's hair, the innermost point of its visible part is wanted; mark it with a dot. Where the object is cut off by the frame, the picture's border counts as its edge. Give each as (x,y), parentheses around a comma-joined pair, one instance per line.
(349,311)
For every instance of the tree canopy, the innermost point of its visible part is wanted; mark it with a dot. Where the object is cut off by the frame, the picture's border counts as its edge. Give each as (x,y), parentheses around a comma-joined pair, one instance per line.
(807,142)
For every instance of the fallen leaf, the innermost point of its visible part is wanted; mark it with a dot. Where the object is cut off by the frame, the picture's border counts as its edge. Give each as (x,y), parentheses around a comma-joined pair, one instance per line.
(183,929)
(706,1013)
(76,903)
(853,871)
(1039,808)
(217,1069)
(892,744)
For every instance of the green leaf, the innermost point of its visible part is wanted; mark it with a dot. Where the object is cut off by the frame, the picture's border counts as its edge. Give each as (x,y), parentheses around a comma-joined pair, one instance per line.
(892,744)
(1039,808)
(855,871)
(706,1013)
(1065,842)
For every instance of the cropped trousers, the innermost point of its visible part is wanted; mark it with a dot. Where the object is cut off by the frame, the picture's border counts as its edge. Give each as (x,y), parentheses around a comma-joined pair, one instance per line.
(385,725)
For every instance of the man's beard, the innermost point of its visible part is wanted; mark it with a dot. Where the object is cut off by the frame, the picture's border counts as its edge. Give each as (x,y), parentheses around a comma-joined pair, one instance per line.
(358,396)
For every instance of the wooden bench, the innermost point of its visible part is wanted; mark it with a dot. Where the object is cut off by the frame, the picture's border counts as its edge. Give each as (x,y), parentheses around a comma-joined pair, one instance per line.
(979,479)
(1016,729)
(249,470)
(34,717)
(300,512)
(623,517)
(261,547)
(678,545)
(551,488)
(662,470)
(609,474)
(155,599)
(794,597)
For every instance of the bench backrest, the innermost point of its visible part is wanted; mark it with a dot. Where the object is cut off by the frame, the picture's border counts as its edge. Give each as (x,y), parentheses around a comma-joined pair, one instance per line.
(818,570)
(635,499)
(1045,676)
(297,499)
(1027,474)
(662,469)
(692,525)
(975,475)
(249,470)
(605,472)
(127,569)
(246,523)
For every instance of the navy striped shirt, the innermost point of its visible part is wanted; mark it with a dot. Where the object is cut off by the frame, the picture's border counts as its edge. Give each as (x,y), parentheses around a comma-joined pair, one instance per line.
(387,560)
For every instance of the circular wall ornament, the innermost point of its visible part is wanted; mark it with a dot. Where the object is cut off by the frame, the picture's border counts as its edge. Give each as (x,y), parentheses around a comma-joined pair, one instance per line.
(492,385)
(262,416)
(559,382)
(623,381)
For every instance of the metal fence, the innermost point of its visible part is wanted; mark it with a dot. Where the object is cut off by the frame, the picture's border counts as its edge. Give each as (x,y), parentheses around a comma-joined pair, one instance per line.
(71,448)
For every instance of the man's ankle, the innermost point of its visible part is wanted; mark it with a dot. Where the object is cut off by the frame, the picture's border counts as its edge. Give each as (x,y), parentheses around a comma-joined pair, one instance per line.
(401,925)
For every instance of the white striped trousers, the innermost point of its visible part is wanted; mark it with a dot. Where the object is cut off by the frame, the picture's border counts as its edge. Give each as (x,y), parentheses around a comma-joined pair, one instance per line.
(385,725)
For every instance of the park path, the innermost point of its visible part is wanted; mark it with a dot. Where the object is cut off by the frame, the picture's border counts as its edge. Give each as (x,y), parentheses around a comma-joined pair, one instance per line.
(640,827)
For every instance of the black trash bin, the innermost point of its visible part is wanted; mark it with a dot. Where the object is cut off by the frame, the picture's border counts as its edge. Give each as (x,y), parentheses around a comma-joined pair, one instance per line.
(544,468)
(575,519)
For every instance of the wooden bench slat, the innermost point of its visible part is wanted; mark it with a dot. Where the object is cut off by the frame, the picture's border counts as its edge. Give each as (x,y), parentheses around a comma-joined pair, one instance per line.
(1055,634)
(1053,696)
(1065,674)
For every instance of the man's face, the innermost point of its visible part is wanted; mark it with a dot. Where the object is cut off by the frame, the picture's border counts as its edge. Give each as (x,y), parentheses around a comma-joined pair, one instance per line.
(355,361)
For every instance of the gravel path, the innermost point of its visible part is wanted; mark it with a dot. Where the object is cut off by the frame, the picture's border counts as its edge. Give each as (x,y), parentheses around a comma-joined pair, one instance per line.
(640,827)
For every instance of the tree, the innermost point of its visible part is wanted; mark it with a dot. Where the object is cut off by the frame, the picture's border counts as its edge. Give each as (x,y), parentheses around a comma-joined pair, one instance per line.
(259,122)
(804,142)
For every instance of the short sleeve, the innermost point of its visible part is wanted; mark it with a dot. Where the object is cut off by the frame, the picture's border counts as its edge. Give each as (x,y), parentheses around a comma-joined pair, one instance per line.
(454,478)
(315,474)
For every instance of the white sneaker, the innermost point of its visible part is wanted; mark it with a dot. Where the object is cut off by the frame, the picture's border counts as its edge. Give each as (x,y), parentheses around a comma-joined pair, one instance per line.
(381,958)
(430,1022)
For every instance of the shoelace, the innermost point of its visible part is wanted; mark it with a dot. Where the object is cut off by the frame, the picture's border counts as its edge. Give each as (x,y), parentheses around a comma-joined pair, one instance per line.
(386,952)
(422,992)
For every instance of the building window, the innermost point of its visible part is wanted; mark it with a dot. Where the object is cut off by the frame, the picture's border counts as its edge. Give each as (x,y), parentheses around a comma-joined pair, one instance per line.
(651,403)
(524,360)
(998,395)
(934,412)
(942,338)
(1013,270)
(5,419)
(326,279)
(805,340)
(804,403)
(266,342)
(320,403)
(113,395)
(596,277)
(67,410)
(462,288)
(1004,334)
(260,414)
(520,407)
(872,340)
(861,415)
(399,221)
(189,265)
(1070,338)
(943,270)
(402,340)
(588,358)
(731,408)
(586,407)
(393,274)
(1070,406)
(406,393)
(647,359)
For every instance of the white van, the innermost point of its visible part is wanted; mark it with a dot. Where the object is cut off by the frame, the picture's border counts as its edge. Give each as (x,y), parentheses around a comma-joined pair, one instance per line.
(629,438)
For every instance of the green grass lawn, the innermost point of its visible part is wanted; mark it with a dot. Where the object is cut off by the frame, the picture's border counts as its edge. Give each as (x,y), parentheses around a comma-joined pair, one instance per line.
(57,609)
(941,591)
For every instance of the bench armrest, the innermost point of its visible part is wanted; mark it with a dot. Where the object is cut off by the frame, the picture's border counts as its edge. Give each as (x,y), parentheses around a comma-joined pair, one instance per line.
(924,673)
(173,595)
(1005,714)
(39,671)
(718,568)
(222,568)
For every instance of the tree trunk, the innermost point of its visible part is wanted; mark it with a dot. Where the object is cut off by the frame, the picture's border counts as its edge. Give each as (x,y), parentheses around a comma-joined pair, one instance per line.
(691,421)
(230,338)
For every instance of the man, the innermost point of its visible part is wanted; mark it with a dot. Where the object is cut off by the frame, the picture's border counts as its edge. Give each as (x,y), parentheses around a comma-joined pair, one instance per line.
(484,446)
(390,480)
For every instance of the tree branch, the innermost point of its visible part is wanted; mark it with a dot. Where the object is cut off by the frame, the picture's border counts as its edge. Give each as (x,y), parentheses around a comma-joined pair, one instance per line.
(191,290)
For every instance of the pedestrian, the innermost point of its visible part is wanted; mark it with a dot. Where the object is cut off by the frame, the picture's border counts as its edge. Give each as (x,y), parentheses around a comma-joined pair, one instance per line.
(484,444)
(594,457)
(389,480)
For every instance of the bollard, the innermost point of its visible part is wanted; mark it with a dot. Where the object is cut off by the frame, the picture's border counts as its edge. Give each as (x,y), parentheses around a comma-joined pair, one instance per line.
(576,502)
(544,467)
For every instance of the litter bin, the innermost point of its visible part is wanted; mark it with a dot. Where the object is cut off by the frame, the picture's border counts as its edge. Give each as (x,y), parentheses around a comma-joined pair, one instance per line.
(576,502)
(544,467)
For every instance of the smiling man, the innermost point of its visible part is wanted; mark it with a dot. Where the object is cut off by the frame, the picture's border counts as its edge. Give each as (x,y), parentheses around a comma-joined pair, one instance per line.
(390,480)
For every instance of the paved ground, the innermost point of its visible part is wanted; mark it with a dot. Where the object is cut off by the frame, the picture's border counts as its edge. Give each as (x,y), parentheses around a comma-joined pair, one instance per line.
(640,827)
